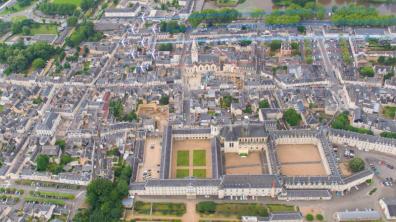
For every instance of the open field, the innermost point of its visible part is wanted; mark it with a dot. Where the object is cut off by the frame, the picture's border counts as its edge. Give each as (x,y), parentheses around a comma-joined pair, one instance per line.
(74,2)
(151,158)
(300,160)
(44,29)
(251,164)
(191,158)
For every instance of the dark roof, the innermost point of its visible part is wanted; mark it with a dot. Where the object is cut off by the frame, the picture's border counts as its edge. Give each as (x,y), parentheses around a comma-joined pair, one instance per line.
(232,133)
(249,181)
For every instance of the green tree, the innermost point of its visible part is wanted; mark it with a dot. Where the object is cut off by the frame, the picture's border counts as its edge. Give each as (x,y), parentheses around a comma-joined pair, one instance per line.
(264,104)
(42,162)
(309,217)
(165,47)
(366,71)
(292,117)
(356,164)
(275,45)
(301,29)
(38,63)
(72,21)
(206,207)
(319,217)
(164,100)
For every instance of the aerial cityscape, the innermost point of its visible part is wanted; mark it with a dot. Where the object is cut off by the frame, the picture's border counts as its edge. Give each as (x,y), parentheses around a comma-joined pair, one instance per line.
(197,110)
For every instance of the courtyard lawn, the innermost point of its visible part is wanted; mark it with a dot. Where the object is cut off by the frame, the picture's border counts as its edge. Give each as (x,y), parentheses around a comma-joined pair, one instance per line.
(181,173)
(199,157)
(44,29)
(183,158)
(74,2)
(199,173)
(280,208)
(389,112)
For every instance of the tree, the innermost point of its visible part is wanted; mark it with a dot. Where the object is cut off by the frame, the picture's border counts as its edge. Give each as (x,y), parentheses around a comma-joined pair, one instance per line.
(275,45)
(164,100)
(245,42)
(356,164)
(165,47)
(309,217)
(301,29)
(292,117)
(42,162)
(38,63)
(61,144)
(207,207)
(264,104)
(366,71)
(58,8)
(24,3)
(72,21)
(257,13)
(319,217)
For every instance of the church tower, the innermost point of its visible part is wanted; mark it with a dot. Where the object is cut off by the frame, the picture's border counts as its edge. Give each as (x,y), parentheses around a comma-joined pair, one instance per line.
(194,52)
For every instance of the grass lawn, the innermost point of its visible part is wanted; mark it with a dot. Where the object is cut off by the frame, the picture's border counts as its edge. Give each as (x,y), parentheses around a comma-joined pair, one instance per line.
(237,209)
(199,157)
(18,18)
(74,2)
(181,173)
(174,209)
(44,29)
(199,173)
(389,112)
(1,108)
(183,158)
(280,208)
(227,2)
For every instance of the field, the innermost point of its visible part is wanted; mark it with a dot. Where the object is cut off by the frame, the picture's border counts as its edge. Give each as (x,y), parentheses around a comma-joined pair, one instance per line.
(44,29)
(253,164)
(300,160)
(191,158)
(389,112)
(74,2)
(13,9)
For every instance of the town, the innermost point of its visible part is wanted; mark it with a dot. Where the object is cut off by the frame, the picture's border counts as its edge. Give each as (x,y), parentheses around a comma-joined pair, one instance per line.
(197,110)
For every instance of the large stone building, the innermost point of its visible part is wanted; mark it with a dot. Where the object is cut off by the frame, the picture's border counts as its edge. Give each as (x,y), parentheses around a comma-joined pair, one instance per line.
(245,139)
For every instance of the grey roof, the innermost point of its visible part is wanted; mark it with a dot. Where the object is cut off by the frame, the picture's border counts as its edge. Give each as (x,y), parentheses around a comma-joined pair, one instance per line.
(285,216)
(249,181)
(308,193)
(232,133)
(358,215)
(192,131)
(166,152)
(391,205)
